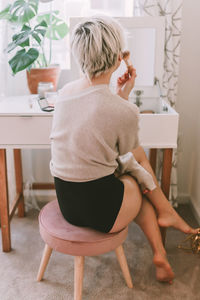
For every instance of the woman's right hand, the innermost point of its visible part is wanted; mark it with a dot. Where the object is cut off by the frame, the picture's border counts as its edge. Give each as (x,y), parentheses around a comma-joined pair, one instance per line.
(126,82)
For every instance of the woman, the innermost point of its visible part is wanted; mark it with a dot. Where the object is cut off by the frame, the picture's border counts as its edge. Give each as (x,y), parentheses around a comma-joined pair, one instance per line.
(91,129)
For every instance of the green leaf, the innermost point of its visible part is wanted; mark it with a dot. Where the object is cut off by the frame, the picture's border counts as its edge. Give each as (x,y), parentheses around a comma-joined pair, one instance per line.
(26,28)
(46,16)
(26,43)
(57,28)
(41,29)
(43,23)
(23,59)
(24,10)
(10,47)
(22,42)
(58,32)
(13,19)
(5,13)
(21,39)
(36,37)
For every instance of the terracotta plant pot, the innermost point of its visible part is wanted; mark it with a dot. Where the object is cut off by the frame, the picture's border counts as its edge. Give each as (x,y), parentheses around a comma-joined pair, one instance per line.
(49,74)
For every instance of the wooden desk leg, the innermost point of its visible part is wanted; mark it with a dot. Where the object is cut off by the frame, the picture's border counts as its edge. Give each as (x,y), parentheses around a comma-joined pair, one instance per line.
(152,158)
(19,181)
(165,179)
(4,203)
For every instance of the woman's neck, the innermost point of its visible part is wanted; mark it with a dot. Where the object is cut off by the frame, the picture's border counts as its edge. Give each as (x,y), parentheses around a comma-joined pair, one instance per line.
(102,79)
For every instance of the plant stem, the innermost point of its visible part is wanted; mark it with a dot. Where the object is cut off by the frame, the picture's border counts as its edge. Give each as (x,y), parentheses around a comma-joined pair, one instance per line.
(44,57)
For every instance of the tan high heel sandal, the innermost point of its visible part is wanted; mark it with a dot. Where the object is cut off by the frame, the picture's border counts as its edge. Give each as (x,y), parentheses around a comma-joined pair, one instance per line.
(194,243)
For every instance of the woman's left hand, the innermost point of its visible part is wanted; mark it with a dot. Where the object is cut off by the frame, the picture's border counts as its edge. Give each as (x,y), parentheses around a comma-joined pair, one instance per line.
(126,82)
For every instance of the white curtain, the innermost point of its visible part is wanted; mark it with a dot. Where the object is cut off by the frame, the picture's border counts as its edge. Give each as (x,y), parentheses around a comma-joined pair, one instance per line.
(172,11)
(3,62)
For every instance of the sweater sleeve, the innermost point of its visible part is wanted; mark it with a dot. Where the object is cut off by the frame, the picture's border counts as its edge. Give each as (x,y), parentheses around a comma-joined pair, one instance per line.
(128,140)
(128,164)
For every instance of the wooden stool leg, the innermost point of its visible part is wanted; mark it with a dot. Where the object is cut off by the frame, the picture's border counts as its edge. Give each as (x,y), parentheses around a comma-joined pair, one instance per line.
(19,181)
(44,261)
(78,276)
(124,266)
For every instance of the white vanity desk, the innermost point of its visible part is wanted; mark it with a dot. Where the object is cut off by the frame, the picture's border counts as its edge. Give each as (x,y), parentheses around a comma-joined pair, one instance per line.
(23,127)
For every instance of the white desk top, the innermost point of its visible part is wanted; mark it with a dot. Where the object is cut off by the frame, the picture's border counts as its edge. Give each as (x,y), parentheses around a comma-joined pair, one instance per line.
(21,105)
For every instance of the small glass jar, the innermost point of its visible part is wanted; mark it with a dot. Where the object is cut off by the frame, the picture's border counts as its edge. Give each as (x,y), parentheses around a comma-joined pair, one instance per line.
(51,97)
(44,87)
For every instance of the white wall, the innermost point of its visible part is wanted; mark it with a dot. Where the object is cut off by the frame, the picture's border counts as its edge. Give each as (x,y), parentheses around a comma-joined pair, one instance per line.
(188,105)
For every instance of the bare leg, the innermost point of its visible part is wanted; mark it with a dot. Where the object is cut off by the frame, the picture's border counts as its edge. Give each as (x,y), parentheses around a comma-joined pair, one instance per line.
(134,207)
(167,216)
(147,220)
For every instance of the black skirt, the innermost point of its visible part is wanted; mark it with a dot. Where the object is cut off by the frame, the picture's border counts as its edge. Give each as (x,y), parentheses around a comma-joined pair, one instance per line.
(94,204)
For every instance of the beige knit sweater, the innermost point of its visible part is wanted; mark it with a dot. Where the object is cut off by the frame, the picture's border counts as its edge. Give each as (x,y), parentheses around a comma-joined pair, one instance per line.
(90,131)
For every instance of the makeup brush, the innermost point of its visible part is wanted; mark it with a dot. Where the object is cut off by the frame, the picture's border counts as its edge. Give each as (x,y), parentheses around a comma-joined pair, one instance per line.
(126,58)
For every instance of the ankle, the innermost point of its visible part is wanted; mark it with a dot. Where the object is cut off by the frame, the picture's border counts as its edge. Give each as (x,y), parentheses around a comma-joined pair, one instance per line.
(165,210)
(160,252)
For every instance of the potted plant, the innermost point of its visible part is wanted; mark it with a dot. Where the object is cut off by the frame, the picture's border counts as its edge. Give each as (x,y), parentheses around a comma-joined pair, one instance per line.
(31,32)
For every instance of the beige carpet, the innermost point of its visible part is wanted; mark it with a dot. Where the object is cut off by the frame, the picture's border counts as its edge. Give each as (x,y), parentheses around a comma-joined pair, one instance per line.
(102,278)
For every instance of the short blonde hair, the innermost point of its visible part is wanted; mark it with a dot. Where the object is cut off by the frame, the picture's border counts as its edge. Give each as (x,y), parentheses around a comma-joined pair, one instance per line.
(96,44)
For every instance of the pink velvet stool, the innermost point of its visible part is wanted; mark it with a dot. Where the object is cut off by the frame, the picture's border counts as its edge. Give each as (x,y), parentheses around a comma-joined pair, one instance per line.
(63,237)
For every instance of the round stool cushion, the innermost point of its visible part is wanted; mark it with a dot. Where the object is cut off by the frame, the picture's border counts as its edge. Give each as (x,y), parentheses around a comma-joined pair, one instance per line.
(69,239)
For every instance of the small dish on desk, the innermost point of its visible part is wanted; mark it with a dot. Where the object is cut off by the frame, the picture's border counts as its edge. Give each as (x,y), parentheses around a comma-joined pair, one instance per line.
(47,103)
(44,105)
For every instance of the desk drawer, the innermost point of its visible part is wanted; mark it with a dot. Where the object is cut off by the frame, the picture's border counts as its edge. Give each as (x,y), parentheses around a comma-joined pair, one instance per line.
(158,130)
(25,130)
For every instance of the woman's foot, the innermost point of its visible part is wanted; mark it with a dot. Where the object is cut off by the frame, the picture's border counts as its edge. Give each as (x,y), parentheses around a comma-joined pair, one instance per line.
(171,218)
(164,271)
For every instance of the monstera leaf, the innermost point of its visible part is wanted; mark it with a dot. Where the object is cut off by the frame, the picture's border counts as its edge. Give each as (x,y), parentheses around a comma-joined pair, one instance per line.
(22,39)
(23,59)
(24,10)
(57,28)
(5,13)
(40,31)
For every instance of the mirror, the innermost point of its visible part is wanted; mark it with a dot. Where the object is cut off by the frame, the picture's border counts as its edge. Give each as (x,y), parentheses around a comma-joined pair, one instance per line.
(141,44)
(145,40)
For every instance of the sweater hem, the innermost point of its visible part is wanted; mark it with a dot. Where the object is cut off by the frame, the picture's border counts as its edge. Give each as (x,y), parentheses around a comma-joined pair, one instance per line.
(81,179)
